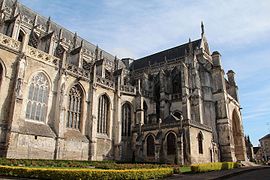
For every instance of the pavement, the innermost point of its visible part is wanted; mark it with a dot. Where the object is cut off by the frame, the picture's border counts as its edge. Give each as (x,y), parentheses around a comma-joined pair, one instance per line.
(224,174)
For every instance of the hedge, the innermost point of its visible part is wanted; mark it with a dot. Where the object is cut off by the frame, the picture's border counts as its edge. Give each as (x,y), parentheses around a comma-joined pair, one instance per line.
(54,173)
(77,164)
(217,166)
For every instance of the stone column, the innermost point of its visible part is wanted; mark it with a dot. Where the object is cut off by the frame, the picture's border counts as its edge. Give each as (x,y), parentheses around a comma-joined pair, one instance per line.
(93,121)
(117,121)
(185,92)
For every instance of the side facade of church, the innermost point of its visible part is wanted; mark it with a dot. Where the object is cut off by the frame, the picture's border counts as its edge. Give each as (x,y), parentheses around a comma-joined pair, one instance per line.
(65,98)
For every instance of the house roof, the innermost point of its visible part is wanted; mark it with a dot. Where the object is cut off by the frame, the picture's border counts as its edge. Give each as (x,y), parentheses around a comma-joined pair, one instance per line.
(265,137)
(169,55)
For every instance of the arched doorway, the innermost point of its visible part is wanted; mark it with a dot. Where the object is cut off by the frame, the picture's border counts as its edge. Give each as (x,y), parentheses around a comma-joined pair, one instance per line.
(238,137)
(171,144)
(150,146)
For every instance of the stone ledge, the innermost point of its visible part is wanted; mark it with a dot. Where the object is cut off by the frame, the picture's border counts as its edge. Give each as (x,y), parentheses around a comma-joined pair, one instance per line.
(31,128)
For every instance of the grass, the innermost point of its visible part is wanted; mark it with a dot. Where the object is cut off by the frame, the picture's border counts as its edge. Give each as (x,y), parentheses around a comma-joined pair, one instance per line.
(185,169)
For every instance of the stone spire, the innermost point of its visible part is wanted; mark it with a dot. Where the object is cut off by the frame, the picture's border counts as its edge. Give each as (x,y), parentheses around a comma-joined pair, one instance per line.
(3,5)
(202,29)
(49,24)
(60,34)
(96,52)
(14,7)
(35,20)
(75,40)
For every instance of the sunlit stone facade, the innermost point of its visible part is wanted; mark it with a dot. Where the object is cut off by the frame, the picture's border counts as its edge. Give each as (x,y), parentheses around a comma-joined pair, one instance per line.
(64,98)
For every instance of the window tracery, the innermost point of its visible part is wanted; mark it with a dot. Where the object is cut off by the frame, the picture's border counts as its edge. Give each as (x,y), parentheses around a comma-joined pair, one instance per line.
(103,115)
(74,107)
(126,120)
(37,101)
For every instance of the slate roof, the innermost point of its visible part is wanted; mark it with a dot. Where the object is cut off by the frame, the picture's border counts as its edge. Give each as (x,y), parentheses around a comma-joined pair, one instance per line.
(265,137)
(68,35)
(170,54)
(170,119)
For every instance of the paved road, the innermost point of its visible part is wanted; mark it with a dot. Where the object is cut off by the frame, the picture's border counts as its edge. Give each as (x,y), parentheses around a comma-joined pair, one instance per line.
(262,174)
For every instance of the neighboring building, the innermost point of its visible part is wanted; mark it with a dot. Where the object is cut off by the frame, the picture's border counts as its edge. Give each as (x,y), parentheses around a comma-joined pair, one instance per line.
(265,146)
(258,154)
(249,148)
(64,98)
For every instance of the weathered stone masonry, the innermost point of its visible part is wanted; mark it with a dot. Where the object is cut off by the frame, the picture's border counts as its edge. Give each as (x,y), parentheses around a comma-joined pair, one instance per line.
(64,98)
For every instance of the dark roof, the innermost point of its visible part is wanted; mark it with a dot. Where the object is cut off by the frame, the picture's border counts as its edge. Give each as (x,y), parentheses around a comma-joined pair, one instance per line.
(265,137)
(170,119)
(256,149)
(170,54)
(68,35)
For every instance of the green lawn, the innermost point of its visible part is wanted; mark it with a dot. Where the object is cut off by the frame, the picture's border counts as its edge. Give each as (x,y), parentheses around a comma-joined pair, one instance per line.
(185,169)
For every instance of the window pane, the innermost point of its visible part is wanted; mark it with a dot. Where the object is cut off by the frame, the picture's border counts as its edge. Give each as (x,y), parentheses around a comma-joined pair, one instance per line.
(40,94)
(31,90)
(36,93)
(28,109)
(38,115)
(33,112)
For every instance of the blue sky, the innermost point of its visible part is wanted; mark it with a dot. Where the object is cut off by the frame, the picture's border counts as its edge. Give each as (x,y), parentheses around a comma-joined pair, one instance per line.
(238,29)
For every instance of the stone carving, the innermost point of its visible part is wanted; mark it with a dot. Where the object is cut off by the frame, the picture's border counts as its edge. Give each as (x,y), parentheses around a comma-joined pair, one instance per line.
(128,89)
(105,82)
(18,89)
(42,56)
(78,71)
(9,42)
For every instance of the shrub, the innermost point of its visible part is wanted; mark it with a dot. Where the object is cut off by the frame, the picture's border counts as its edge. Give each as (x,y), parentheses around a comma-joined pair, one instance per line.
(213,166)
(51,173)
(77,164)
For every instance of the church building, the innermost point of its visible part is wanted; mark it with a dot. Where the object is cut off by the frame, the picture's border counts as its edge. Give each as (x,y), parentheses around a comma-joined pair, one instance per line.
(65,98)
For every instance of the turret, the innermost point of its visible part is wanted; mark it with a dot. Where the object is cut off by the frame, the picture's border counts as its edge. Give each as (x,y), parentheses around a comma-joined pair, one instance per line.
(232,88)
(216,57)
(230,75)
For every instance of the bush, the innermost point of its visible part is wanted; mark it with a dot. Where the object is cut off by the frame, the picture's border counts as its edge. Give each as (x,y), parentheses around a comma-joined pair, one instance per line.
(213,166)
(77,164)
(51,173)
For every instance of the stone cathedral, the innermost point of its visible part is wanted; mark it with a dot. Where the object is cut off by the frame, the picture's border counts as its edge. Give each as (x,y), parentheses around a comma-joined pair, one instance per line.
(65,98)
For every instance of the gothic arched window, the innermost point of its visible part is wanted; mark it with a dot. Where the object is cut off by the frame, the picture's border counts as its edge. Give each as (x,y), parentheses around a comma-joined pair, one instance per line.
(126,120)
(37,101)
(177,114)
(74,111)
(21,36)
(176,84)
(145,108)
(103,114)
(200,143)
(171,144)
(150,145)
